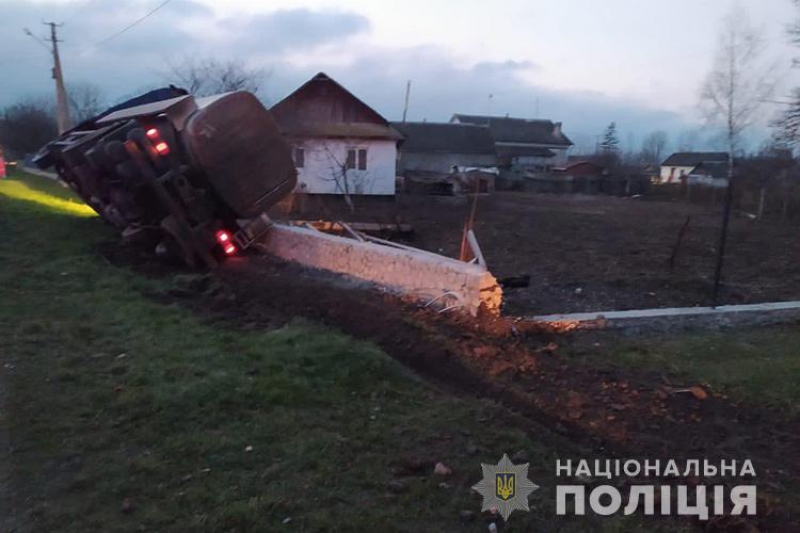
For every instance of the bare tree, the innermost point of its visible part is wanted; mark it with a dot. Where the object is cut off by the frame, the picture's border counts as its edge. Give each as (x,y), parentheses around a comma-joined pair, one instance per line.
(735,89)
(343,173)
(794,32)
(207,76)
(787,127)
(739,82)
(85,100)
(653,147)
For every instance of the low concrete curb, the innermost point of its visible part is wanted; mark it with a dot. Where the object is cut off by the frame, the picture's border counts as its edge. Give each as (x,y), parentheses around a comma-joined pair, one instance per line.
(38,172)
(679,317)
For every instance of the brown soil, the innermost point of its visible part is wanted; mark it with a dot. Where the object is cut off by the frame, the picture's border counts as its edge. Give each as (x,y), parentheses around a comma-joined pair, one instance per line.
(621,413)
(599,253)
(616,413)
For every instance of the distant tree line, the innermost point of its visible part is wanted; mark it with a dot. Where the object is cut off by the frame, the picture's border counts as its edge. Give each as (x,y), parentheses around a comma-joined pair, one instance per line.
(30,123)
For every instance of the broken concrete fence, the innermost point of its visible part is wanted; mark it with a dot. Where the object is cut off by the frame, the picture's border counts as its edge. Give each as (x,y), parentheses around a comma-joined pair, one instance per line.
(421,275)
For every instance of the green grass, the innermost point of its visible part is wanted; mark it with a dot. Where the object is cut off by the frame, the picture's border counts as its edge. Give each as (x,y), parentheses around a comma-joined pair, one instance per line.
(758,365)
(112,397)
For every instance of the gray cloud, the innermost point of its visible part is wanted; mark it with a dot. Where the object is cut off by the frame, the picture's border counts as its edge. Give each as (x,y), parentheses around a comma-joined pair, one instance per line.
(507,66)
(140,57)
(292,29)
(442,83)
(442,86)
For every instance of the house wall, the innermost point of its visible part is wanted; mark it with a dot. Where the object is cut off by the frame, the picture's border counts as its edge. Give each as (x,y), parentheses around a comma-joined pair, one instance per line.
(670,174)
(707,181)
(558,160)
(530,162)
(443,163)
(323,159)
(561,157)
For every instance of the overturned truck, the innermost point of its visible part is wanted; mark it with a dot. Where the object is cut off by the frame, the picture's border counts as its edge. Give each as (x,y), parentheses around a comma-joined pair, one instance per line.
(192,177)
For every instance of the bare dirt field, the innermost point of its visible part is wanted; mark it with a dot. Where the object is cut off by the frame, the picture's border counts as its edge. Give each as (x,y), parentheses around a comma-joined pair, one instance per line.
(597,253)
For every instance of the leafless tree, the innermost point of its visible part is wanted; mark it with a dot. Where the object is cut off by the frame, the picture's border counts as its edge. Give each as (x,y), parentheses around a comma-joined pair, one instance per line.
(794,32)
(346,179)
(207,76)
(787,127)
(740,80)
(85,100)
(735,89)
(653,147)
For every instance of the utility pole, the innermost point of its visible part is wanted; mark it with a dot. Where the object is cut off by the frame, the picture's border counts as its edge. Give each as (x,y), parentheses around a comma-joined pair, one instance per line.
(62,106)
(408,94)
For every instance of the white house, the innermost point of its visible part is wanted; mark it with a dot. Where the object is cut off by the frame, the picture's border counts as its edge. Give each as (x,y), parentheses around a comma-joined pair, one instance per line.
(681,164)
(340,144)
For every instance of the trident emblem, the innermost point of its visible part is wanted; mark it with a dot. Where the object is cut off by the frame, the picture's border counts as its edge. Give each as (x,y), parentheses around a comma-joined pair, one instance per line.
(505,486)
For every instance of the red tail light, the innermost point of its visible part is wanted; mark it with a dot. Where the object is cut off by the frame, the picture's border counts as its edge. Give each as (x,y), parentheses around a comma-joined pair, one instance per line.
(152,133)
(224,238)
(162,148)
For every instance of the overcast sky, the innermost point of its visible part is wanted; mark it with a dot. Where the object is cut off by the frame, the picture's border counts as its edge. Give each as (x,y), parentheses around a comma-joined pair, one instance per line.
(582,62)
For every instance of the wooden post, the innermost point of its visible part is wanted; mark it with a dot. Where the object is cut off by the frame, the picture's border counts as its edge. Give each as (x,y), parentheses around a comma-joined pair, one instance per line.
(476,250)
(723,234)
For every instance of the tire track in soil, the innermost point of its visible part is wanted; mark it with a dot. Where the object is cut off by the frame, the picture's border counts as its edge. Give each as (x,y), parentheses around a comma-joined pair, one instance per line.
(620,413)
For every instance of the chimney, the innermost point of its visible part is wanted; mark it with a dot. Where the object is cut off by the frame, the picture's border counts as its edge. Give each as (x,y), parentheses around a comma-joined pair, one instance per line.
(557,129)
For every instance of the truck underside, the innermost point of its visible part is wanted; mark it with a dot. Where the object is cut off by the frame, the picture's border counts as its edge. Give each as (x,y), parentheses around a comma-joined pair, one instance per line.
(190,177)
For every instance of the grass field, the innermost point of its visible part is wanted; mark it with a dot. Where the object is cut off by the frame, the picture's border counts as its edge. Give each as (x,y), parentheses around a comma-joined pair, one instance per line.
(758,365)
(124,414)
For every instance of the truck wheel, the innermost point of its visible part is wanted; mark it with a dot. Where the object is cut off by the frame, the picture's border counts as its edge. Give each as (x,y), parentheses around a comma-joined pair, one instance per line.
(173,246)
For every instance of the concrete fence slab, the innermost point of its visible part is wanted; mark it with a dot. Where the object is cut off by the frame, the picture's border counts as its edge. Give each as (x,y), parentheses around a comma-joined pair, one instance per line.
(419,274)
(679,317)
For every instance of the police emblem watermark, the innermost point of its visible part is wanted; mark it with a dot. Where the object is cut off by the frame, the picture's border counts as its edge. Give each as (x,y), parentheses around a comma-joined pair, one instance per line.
(505,487)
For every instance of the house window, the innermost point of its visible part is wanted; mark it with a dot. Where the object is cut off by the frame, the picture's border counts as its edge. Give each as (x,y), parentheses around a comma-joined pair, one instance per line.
(356,159)
(299,156)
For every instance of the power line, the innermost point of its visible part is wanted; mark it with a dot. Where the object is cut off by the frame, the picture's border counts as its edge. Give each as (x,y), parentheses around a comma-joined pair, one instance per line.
(128,27)
(29,33)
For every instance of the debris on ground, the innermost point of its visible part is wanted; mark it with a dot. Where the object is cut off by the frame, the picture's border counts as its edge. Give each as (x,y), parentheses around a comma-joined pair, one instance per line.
(442,470)
(127,506)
